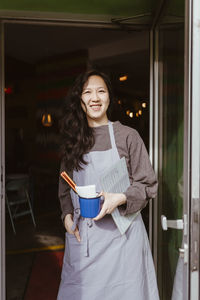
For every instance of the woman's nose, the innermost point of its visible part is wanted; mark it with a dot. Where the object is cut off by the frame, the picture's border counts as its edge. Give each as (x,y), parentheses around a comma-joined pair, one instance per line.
(95,96)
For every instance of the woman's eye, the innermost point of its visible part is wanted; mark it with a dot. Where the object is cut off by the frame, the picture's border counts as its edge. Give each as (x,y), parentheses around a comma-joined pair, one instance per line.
(102,91)
(86,92)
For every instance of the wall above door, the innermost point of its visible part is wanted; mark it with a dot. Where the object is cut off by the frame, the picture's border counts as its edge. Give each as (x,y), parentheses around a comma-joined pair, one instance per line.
(95,7)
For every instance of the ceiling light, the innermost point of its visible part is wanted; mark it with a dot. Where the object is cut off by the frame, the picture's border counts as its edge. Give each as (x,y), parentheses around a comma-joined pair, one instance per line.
(140,112)
(144,104)
(131,114)
(47,120)
(123,78)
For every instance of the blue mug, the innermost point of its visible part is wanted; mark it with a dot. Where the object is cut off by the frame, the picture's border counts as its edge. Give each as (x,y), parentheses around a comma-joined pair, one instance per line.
(89,207)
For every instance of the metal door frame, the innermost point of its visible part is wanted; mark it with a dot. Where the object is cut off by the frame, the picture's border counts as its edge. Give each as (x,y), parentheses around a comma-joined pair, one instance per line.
(2,165)
(192,139)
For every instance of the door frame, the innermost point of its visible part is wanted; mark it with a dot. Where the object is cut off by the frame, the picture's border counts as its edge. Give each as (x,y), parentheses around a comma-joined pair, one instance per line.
(192,139)
(47,20)
(2,165)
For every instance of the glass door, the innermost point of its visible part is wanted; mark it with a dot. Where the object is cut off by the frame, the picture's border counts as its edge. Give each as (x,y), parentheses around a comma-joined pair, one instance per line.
(171,141)
(176,98)
(169,145)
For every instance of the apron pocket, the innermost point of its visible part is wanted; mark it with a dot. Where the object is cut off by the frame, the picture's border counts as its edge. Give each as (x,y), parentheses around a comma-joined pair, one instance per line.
(74,249)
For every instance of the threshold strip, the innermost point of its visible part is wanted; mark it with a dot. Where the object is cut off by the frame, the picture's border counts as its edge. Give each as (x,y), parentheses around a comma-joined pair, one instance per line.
(47,248)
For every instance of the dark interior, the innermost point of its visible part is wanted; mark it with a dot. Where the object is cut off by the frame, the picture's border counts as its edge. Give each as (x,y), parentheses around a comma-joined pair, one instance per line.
(41,63)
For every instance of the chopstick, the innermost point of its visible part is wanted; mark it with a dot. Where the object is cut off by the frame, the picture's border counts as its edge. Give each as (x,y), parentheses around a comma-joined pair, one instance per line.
(68,180)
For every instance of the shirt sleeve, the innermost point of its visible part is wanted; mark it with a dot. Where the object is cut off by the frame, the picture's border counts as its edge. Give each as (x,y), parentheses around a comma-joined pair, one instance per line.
(142,176)
(64,194)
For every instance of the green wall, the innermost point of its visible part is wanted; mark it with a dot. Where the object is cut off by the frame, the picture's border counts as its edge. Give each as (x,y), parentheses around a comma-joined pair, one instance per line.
(97,7)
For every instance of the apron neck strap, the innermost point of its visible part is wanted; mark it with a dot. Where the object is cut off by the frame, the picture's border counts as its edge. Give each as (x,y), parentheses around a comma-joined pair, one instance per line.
(112,137)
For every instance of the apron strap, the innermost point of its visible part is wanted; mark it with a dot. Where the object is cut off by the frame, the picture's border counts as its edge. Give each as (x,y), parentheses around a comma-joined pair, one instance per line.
(112,138)
(76,218)
(111,132)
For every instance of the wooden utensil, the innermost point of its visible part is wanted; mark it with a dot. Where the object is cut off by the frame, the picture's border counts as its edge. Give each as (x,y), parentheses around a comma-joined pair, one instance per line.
(71,183)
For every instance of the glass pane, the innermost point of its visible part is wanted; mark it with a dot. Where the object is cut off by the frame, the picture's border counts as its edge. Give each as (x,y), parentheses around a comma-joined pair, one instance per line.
(171,69)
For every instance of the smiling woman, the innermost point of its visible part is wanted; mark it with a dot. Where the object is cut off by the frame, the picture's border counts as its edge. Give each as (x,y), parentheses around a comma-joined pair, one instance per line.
(92,144)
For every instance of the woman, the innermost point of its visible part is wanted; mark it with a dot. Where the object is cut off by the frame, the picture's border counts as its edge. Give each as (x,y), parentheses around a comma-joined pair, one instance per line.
(100,263)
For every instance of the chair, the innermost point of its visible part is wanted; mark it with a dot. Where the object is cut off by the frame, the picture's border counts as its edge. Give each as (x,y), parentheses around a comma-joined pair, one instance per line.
(18,200)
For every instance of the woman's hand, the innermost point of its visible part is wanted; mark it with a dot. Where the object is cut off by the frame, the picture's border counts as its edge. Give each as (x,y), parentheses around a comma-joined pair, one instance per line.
(68,222)
(111,201)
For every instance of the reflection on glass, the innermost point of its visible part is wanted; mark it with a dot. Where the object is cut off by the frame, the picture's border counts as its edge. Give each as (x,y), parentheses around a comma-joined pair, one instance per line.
(178,278)
(171,61)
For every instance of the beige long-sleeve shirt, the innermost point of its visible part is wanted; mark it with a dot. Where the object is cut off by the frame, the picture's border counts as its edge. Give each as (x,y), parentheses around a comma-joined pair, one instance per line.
(142,177)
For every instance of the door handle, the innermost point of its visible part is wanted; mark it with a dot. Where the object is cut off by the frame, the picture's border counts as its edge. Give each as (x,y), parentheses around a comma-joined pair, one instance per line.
(176,224)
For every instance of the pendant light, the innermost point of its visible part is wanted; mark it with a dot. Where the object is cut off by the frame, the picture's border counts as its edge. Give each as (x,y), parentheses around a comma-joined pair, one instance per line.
(46,120)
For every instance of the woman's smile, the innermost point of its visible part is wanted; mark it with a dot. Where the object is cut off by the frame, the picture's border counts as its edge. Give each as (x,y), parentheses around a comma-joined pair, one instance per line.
(95,101)
(96,107)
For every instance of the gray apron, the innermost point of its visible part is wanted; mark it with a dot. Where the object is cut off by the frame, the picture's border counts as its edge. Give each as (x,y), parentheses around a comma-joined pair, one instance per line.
(105,264)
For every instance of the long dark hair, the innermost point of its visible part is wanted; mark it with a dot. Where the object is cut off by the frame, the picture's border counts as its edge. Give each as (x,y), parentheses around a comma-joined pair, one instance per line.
(76,136)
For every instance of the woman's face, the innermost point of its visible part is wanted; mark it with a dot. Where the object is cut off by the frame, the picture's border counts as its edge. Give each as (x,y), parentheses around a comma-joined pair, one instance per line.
(95,101)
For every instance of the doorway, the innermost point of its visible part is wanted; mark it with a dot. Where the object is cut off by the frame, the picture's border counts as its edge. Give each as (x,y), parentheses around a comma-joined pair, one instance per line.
(40,64)
(169,136)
